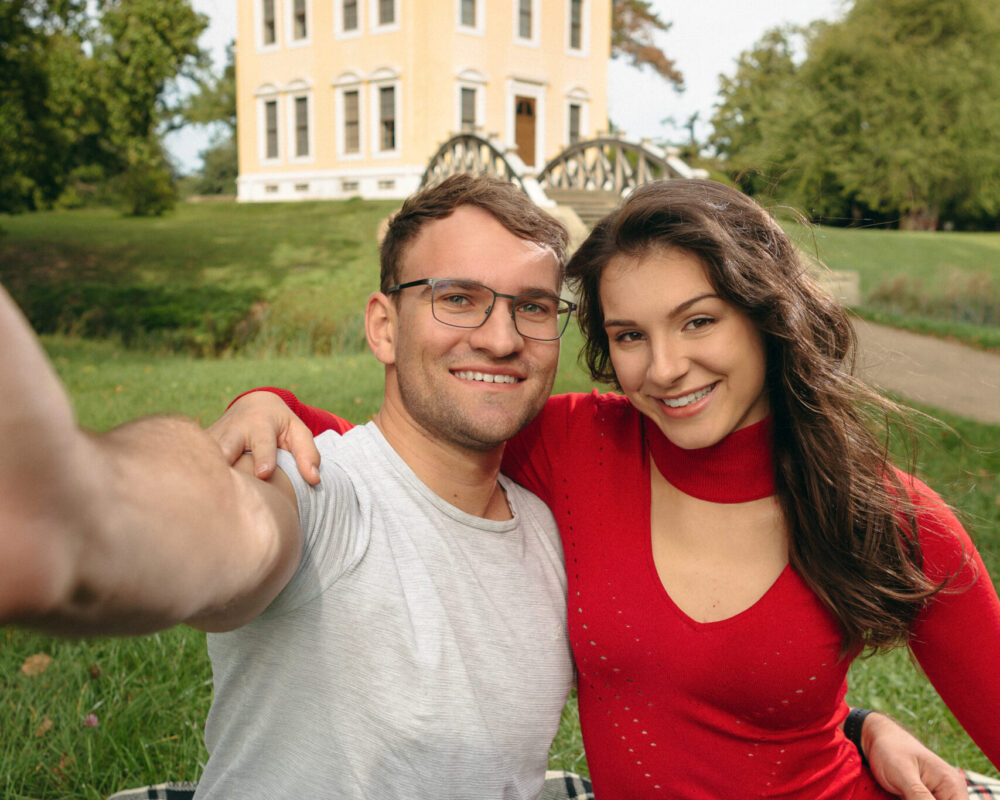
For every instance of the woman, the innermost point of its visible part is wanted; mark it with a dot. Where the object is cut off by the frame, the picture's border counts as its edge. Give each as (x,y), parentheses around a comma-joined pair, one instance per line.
(733,533)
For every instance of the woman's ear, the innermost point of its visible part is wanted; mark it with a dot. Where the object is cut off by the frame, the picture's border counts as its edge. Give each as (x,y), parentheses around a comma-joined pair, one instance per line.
(381,326)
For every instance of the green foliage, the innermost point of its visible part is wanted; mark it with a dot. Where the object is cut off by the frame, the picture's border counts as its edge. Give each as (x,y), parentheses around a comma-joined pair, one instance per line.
(84,88)
(214,104)
(890,115)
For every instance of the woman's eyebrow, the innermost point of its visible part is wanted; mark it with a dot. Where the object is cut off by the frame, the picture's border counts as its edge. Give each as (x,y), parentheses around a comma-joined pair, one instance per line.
(678,309)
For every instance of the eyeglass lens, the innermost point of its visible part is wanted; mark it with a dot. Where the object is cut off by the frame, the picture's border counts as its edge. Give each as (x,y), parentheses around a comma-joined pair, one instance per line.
(466,305)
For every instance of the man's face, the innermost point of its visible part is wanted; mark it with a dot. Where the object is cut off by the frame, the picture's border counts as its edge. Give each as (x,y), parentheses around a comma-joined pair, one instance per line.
(473,387)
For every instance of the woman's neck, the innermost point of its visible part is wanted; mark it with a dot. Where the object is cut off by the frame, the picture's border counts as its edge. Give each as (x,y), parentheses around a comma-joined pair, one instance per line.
(738,469)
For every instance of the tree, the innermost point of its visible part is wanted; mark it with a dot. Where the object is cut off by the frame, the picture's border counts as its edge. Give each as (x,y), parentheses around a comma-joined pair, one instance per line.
(143,44)
(214,104)
(83,89)
(891,114)
(40,49)
(633,28)
(752,100)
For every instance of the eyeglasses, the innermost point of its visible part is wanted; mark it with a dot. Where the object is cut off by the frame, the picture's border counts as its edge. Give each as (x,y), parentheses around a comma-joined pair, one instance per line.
(467,304)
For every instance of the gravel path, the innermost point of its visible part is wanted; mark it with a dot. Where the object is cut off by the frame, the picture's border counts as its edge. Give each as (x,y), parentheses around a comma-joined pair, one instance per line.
(931,371)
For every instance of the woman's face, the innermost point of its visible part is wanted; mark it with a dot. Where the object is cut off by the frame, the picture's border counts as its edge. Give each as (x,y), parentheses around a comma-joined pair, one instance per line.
(687,359)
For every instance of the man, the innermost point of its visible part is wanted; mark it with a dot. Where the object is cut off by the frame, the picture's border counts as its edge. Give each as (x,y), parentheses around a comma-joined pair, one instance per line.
(398,631)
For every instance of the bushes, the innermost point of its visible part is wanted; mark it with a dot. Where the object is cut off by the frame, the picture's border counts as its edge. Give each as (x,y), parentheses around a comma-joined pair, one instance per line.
(201,320)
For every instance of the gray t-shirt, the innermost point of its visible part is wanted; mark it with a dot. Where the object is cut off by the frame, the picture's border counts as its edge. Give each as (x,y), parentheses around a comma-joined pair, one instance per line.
(418,652)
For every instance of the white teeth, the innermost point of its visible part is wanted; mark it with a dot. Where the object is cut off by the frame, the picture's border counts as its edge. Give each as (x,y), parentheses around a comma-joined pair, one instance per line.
(686,400)
(485,377)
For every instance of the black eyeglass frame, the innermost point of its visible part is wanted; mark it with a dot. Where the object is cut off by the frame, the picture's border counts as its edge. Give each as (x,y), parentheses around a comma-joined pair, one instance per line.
(564,307)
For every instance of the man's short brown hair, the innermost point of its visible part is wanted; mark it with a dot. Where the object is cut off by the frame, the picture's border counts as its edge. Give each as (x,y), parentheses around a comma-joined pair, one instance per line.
(504,201)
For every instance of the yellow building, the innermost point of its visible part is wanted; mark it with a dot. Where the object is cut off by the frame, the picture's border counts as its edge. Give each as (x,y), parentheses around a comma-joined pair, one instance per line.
(337,98)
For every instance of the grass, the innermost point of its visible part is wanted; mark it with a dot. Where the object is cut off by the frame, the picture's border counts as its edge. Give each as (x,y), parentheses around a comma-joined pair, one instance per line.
(150,694)
(284,283)
(937,283)
(290,278)
(207,279)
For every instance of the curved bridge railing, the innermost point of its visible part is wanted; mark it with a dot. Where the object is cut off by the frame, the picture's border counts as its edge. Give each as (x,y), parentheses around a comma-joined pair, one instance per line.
(590,176)
(610,164)
(471,153)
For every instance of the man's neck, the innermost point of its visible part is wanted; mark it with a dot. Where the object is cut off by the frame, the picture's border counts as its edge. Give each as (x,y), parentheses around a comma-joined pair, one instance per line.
(462,476)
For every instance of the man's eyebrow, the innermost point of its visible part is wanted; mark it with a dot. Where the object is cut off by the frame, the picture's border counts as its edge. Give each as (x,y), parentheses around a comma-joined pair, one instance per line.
(680,308)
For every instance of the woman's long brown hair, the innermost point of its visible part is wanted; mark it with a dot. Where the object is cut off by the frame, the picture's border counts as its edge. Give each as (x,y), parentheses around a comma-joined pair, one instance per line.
(853,529)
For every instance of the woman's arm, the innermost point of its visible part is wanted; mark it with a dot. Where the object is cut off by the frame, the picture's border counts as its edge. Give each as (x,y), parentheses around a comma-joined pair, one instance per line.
(957,636)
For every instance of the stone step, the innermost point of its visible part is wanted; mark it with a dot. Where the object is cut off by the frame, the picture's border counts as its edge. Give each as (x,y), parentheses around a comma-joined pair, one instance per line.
(589,205)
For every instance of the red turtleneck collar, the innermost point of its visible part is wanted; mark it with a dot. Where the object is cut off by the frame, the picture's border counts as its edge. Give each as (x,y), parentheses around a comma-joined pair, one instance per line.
(738,469)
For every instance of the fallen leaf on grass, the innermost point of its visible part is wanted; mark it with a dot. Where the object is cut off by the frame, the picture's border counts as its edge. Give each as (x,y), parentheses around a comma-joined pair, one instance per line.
(36,664)
(43,728)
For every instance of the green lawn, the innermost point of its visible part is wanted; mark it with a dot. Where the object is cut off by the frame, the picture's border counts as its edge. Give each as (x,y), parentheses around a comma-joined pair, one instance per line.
(150,695)
(291,277)
(283,283)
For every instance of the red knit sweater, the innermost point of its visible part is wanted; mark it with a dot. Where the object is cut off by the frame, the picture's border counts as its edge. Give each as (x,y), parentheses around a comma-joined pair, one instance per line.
(744,707)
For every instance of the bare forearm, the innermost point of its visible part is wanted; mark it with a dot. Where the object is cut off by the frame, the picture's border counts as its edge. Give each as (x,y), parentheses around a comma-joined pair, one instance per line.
(128,531)
(147,528)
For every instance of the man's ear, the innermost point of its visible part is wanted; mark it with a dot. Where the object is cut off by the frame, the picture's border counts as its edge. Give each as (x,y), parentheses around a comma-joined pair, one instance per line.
(381,326)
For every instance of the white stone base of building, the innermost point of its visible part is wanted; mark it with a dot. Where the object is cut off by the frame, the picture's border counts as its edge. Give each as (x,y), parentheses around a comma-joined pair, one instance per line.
(372,183)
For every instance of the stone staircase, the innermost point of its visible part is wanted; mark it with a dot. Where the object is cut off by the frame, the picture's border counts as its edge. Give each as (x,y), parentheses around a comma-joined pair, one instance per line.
(589,205)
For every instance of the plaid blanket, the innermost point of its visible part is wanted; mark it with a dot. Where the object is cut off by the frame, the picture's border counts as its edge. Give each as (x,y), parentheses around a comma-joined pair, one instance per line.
(558,786)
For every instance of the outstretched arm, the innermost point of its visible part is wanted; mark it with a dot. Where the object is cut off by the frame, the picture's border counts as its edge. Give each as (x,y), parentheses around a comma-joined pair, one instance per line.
(130,531)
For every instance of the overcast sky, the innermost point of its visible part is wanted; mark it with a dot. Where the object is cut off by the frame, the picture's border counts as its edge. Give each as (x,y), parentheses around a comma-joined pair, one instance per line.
(705,39)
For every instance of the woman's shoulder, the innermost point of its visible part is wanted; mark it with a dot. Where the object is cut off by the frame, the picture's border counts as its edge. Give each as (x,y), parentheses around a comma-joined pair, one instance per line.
(945,545)
(588,406)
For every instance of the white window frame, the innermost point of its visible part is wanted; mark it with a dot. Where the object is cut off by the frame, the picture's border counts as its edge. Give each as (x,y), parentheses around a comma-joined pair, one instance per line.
(535,39)
(383,79)
(578,96)
(584,50)
(290,24)
(479,29)
(349,82)
(264,95)
(338,21)
(535,90)
(475,80)
(293,92)
(375,25)
(258,21)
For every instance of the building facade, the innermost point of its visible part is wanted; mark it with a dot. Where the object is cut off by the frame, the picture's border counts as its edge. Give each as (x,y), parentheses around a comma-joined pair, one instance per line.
(337,98)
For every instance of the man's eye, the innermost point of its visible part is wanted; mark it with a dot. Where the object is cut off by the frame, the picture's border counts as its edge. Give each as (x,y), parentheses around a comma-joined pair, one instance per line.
(535,308)
(455,299)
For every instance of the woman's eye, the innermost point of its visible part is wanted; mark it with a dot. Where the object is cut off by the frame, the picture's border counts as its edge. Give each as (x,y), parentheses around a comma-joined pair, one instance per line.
(628,336)
(700,322)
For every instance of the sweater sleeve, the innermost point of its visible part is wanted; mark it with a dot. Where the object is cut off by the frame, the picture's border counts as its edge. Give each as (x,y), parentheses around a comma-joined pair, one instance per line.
(956,638)
(316,419)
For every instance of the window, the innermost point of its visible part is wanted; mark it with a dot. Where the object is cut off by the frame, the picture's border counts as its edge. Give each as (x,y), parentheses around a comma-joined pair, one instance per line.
(387,118)
(386,12)
(299,29)
(271,129)
(524,19)
(301,127)
(352,121)
(574,123)
(349,15)
(467,13)
(269,29)
(575,24)
(468,110)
